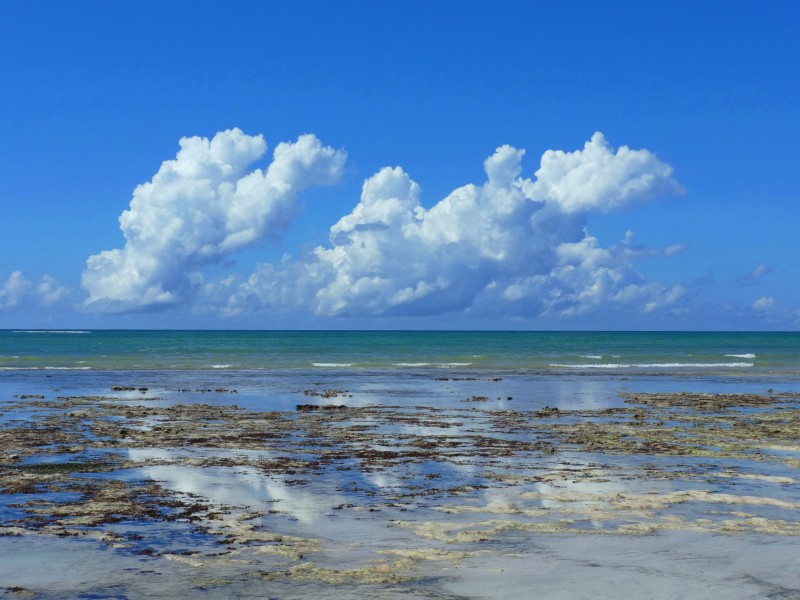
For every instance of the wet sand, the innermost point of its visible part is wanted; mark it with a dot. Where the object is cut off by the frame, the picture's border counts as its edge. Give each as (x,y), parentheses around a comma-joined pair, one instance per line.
(468,488)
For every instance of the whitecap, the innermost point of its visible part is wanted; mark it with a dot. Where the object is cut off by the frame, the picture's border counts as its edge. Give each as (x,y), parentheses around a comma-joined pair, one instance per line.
(318,364)
(430,364)
(741,355)
(727,365)
(68,331)
(590,366)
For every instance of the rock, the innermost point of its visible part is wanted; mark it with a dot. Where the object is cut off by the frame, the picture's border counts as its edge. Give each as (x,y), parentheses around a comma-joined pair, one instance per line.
(316,407)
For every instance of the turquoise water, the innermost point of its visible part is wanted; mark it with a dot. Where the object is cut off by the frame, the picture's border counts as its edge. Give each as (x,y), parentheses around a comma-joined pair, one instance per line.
(601,352)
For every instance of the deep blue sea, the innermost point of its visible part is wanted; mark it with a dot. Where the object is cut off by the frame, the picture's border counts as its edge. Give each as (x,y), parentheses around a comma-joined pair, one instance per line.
(771,353)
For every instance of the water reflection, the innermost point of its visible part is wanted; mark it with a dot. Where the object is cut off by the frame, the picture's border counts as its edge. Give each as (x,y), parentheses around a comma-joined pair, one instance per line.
(235,486)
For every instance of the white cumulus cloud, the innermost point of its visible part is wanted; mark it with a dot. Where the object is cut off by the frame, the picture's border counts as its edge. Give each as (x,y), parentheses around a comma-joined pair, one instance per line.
(599,178)
(511,245)
(49,291)
(18,291)
(755,276)
(200,208)
(14,290)
(764,303)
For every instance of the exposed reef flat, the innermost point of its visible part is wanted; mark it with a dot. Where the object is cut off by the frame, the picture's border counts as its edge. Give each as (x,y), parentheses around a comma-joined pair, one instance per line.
(388,499)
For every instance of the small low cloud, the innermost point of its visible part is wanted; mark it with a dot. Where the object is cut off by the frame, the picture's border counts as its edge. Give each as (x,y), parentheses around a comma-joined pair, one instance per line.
(640,251)
(755,276)
(49,291)
(14,291)
(675,249)
(201,208)
(764,303)
(18,291)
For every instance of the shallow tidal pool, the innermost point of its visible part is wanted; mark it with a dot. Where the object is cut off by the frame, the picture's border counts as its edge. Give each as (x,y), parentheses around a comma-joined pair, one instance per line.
(428,486)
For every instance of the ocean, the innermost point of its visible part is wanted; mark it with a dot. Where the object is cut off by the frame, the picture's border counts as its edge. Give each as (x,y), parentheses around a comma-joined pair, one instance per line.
(628,352)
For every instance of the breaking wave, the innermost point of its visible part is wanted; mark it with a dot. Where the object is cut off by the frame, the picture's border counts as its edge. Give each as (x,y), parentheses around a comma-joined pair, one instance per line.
(432,364)
(67,331)
(672,365)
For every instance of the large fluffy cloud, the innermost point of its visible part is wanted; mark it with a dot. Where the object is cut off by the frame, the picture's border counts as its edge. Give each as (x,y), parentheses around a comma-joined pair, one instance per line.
(599,178)
(512,245)
(199,208)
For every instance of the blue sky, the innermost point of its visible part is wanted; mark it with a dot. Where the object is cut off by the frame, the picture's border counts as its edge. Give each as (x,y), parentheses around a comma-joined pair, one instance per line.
(682,214)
